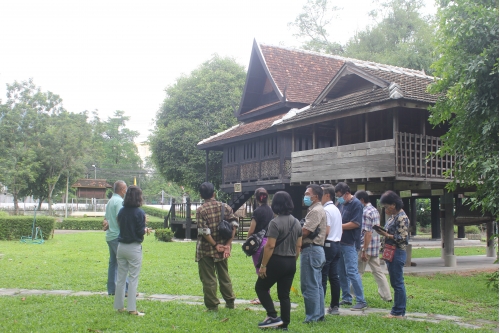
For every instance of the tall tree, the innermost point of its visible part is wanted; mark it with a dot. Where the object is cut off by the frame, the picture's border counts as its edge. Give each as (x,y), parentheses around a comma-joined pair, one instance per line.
(196,107)
(467,42)
(22,121)
(115,153)
(401,35)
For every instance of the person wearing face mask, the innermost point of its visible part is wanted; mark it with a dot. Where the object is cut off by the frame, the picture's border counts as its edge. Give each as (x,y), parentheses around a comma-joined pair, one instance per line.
(351,210)
(312,256)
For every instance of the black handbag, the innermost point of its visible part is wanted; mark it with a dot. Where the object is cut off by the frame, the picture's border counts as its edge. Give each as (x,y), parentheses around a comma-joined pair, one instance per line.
(252,244)
(224,228)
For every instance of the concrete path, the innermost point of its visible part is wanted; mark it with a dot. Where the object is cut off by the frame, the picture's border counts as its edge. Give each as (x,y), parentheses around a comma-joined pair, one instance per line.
(241,303)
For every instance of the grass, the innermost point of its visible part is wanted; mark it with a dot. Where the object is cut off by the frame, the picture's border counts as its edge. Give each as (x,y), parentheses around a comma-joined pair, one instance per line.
(459,251)
(78,262)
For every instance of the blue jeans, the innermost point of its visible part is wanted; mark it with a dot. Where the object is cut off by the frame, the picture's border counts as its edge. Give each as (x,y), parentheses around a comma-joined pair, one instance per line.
(113,266)
(348,272)
(312,260)
(395,269)
(330,271)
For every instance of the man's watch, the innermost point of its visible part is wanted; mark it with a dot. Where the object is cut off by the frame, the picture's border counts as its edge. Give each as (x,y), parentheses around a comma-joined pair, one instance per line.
(215,245)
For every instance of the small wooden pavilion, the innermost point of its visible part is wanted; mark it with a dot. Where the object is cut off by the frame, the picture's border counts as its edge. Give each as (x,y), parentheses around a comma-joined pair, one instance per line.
(91,188)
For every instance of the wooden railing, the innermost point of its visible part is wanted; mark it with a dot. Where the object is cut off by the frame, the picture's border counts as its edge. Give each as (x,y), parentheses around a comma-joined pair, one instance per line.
(257,170)
(416,156)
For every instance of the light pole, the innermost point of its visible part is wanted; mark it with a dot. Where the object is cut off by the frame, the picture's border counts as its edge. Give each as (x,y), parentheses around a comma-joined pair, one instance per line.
(95,171)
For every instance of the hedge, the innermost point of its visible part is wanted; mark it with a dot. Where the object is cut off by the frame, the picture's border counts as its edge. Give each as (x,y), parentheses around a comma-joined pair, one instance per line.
(13,227)
(155,211)
(81,223)
(93,223)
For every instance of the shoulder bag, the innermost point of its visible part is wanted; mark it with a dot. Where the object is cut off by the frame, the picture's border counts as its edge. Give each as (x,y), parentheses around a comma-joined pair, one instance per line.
(224,228)
(259,262)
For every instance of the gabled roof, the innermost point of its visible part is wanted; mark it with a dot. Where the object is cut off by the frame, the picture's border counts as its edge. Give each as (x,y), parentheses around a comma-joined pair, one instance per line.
(277,76)
(387,83)
(92,183)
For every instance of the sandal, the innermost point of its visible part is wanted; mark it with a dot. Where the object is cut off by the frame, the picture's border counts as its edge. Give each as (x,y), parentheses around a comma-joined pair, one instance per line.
(122,310)
(137,313)
(255,301)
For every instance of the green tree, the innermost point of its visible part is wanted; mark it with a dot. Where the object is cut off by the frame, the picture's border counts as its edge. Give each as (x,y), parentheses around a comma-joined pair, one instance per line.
(196,107)
(401,35)
(467,42)
(115,154)
(22,123)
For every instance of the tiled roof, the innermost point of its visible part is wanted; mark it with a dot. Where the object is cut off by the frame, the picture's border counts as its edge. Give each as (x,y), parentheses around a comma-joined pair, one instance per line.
(351,101)
(92,183)
(304,74)
(242,129)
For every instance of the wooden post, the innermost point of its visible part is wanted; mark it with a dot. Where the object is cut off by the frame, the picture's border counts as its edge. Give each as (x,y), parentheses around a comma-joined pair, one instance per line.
(337,134)
(413,216)
(293,140)
(490,249)
(314,136)
(448,239)
(188,219)
(366,126)
(435,218)
(461,228)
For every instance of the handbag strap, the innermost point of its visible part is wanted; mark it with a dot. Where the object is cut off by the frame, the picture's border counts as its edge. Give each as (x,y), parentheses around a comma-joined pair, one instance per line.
(289,231)
(222,208)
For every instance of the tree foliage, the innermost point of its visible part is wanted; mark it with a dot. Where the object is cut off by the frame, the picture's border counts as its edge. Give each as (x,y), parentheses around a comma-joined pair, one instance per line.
(401,35)
(467,42)
(196,107)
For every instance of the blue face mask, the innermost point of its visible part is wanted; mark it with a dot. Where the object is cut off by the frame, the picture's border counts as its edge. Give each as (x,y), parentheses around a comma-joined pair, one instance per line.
(340,200)
(307,201)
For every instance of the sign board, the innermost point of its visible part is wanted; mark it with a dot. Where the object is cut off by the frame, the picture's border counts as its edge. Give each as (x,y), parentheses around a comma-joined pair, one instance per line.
(405,194)
(469,194)
(237,187)
(437,192)
(361,187)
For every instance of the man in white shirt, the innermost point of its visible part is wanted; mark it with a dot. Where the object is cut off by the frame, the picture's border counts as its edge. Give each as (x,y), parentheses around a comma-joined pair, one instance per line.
(332,247)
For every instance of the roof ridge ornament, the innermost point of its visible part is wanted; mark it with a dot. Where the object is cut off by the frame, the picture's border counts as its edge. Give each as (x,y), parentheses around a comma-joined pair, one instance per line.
(395,91)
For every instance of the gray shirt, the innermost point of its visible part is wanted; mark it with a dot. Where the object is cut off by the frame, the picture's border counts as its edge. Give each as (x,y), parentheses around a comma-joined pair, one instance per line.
(279,228)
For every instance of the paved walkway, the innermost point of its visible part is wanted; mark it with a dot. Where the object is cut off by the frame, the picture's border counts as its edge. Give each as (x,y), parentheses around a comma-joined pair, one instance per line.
(241,303)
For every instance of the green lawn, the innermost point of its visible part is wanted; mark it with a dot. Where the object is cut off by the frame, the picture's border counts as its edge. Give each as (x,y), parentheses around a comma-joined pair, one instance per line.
(78,262)
(459,251)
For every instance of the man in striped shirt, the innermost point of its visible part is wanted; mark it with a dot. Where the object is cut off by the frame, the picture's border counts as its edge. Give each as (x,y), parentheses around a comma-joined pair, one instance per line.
(370,246)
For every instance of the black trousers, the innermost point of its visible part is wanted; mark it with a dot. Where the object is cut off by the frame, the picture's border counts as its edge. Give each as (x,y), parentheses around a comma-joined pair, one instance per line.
(331,273)
(280,271)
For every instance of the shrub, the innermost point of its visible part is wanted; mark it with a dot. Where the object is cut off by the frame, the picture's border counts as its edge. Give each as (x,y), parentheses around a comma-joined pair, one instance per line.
(472,229)
(164,235)
(155,225)
(81,223)
(13,227)
(155,211)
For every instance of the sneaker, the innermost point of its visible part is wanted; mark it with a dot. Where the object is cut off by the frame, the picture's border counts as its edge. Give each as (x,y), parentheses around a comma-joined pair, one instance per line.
(333,311)
(271,322)
(359,307)
(345,303)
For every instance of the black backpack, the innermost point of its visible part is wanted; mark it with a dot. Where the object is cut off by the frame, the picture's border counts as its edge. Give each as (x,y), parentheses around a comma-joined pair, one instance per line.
(252,244)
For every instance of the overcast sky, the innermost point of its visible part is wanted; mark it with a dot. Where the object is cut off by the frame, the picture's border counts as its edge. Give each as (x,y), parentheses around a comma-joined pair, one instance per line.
(120,55)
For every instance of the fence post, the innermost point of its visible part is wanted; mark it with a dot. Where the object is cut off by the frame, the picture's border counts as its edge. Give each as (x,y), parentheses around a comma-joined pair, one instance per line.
(188,218)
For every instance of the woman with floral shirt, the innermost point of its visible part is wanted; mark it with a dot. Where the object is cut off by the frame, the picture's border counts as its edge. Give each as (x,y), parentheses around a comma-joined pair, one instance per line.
(396,234)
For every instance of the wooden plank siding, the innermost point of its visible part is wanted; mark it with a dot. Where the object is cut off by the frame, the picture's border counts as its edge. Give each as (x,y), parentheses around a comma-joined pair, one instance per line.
(361,160)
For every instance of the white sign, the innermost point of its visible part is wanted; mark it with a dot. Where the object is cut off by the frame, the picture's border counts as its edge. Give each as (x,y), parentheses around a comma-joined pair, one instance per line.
(405,194)
(237,187)
(437,192)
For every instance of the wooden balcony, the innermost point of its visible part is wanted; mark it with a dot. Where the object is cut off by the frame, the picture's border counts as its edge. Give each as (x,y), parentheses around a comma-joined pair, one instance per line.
(408,157)
(270,169)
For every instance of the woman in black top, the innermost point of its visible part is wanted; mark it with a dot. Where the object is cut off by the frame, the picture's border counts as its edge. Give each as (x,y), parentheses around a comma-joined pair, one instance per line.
(132,223)
(260,220)
(279,261)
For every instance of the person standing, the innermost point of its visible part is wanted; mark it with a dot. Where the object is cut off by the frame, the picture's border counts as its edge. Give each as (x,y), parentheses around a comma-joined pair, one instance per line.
(212,251)
(279,261)
(331,248)
(396,234)
(132,223)
(110,225)
(260,220)
(312,255)
(370,246)
(351,210)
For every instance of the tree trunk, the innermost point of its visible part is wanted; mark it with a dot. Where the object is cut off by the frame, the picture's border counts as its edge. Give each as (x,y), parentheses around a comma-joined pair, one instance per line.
(16,203)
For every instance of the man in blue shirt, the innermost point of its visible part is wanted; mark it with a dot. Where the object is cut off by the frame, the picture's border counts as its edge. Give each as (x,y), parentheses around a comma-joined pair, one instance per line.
(351,210)
(112,231)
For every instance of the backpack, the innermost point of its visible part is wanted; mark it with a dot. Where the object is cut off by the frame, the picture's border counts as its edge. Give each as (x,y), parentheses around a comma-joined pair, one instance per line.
(252,244)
